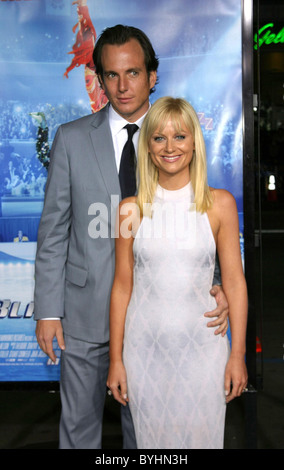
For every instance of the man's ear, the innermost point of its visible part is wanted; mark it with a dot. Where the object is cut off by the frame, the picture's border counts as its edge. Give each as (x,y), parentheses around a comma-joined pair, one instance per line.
(152,79)
(101,83)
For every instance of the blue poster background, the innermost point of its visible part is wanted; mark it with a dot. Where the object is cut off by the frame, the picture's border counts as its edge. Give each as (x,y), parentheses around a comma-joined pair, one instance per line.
(199,45)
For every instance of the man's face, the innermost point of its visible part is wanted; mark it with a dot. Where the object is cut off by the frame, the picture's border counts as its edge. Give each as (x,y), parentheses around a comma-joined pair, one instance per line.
(125,79)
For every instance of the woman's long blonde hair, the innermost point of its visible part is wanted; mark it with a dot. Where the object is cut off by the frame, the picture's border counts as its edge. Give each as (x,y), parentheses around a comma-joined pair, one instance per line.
(178,110)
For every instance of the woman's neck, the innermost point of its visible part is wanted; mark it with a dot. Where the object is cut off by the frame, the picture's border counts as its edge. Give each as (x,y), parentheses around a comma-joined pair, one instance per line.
(172,184)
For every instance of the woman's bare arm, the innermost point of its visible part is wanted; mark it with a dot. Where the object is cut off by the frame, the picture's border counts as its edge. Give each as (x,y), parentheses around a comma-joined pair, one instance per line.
(234,285)
(120,297)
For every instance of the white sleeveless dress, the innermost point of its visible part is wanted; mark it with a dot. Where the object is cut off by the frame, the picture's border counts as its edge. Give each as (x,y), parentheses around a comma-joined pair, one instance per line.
(175,364)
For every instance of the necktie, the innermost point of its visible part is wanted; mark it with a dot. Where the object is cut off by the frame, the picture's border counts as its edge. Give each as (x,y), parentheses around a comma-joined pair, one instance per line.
(127,169)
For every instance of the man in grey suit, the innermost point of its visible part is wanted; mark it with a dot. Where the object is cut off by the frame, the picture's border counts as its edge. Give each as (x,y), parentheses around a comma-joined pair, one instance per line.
(75,252)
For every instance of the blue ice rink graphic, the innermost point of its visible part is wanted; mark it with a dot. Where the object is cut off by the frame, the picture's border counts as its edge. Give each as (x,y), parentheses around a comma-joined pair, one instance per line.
(20,356)
(199,45)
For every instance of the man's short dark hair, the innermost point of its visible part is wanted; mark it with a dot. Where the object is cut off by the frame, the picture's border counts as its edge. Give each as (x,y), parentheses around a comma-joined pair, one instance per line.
(119,35)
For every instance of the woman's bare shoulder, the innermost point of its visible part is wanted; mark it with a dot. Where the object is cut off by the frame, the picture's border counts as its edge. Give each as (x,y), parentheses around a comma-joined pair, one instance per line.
(128,203)
(128,200)
(223,198)
(129,209)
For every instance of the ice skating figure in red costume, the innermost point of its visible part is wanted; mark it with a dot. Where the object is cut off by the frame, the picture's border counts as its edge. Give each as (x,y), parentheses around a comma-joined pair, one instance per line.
(83,55)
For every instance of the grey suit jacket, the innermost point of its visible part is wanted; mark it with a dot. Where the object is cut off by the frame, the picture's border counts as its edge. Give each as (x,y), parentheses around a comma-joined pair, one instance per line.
(74,269)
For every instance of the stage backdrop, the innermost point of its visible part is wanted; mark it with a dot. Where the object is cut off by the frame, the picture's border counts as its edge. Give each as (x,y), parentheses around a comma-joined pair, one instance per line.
(47,78)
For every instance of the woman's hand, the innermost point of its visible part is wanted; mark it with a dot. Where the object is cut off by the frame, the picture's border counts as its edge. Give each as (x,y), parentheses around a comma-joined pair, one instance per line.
(117,382)
(236,377)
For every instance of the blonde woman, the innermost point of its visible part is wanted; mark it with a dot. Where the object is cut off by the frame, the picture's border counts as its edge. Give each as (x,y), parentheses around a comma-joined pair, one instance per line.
(176,375)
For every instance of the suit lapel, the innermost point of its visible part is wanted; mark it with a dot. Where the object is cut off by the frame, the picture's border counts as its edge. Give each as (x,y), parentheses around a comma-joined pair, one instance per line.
(104,152)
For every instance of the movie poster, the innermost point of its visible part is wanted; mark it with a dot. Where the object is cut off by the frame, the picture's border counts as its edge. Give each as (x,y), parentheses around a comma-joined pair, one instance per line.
(46,79)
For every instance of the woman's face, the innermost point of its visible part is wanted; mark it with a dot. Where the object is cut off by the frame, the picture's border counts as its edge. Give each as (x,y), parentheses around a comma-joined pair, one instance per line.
(171,152)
